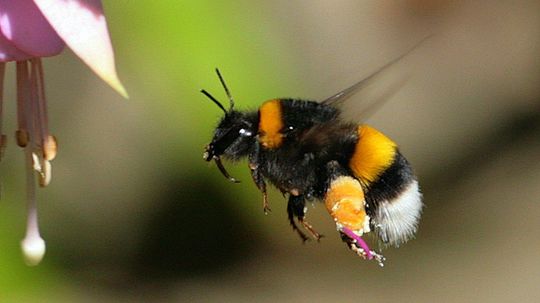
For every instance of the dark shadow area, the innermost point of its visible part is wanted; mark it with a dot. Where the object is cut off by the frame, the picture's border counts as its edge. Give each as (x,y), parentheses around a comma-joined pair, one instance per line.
(195,231)
(194,228)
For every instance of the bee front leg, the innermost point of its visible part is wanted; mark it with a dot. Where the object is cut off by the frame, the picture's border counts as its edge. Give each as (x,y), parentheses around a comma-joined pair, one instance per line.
(296,207)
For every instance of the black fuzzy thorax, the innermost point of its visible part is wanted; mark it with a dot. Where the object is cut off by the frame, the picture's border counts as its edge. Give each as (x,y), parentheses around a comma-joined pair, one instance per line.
(313,137)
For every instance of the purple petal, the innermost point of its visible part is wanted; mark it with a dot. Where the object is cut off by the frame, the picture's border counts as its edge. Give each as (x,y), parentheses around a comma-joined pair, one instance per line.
(26,28)
(8,52)
(82,25)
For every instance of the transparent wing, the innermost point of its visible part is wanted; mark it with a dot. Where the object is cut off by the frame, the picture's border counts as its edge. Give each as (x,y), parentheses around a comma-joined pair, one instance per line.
(372,96)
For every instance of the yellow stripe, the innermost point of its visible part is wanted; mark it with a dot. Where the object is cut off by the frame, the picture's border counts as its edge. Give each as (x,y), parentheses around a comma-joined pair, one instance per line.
(374,153)
(345,203)
(270,124)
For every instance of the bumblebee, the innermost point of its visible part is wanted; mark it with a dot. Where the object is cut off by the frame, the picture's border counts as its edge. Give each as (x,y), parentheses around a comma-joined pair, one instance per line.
(308,151)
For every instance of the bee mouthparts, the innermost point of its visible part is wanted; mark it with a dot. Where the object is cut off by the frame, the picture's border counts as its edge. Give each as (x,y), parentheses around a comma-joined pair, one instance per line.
(208,155)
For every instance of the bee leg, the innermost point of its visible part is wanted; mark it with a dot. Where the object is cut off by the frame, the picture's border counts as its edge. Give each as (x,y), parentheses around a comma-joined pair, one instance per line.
(358,245)
(310,228)
(266,206)
(297,208)
(261,185)
(292,211)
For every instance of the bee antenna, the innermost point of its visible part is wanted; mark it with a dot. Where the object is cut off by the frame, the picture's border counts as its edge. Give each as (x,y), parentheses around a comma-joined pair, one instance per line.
(226,89)
(214,100)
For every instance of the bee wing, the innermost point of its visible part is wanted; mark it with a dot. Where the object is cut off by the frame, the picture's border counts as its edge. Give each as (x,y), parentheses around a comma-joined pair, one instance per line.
(345,94)
(372,98)
(366,87)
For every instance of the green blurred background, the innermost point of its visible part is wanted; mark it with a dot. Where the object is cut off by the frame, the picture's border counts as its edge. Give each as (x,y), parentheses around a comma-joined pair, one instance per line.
(135,215)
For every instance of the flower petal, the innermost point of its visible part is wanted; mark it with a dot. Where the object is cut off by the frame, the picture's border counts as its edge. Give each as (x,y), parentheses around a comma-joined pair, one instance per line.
(8,52)
(82,25)
(22,24)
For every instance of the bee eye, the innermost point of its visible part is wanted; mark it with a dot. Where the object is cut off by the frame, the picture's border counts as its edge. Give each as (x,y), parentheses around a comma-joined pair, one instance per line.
(244,133)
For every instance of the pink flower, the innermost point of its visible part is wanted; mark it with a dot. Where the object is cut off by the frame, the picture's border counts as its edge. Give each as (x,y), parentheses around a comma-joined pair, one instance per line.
(30,30)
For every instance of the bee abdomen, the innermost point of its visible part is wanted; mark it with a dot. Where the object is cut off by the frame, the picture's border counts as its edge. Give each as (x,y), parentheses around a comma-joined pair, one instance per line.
(396,220)
(373,154)
(391,189)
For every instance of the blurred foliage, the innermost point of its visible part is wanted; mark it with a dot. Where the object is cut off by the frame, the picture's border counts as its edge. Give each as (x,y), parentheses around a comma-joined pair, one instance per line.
(166,51)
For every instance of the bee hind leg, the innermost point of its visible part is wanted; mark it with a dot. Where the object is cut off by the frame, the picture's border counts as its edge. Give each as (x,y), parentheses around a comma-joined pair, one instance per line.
(296,208)
(310,229)
(360,247)
(291,215)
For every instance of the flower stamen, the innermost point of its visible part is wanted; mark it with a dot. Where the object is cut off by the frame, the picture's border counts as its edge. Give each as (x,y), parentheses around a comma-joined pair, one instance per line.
(3,138)
(39,146)
(22,95)
(48,142)
(33,246)
(50,148)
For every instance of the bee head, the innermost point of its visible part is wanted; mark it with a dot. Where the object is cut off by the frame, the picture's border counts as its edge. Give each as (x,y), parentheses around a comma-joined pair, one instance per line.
(234,135)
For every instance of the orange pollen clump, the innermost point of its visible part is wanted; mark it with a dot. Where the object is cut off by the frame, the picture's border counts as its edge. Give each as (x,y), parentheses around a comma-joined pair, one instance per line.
(346,204)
